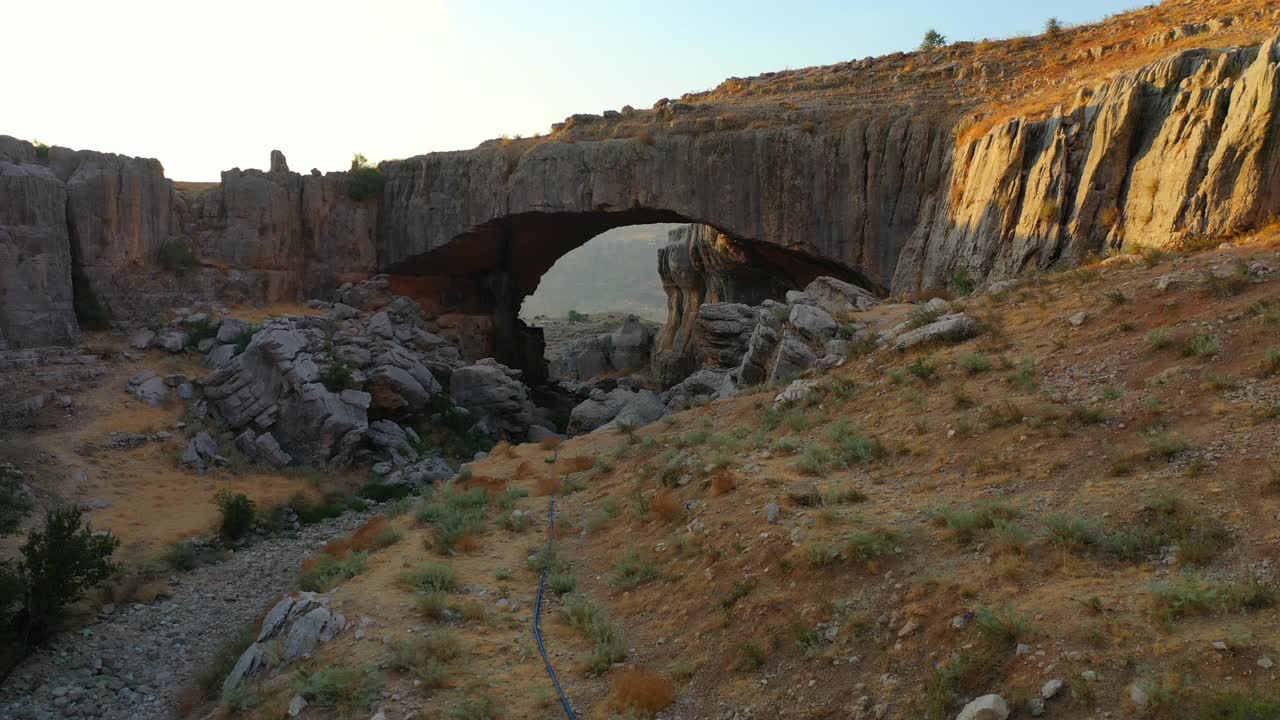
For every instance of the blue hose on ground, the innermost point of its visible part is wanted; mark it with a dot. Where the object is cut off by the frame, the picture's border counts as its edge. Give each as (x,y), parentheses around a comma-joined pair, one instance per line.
(537,614)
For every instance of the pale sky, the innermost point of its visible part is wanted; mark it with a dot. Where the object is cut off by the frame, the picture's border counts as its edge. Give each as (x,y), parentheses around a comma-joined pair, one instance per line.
(207,86)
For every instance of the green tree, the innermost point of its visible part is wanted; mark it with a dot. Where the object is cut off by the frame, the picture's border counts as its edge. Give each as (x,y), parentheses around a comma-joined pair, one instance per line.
(1052,26)
(933,40)
(58,564)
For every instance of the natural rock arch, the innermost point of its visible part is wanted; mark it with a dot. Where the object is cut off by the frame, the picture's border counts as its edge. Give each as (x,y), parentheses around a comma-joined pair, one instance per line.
(477,281)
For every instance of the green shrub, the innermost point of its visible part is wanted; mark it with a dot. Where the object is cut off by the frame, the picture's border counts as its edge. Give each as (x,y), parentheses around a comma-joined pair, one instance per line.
(329,571)
(974,363)
(475,707)
(381,492)
(176,257)
(1160,338)
(867,545)
(1053,26)
(1201,345)
(588,619)
(933,40)
(244,337)
(237,512)
(1001,629)
(453,514)
(1165,444)
(922,369)
(632,570)
(338,377)
(574,316)
(42,150)
(564,583)
(852,446)
(424,656)
(15,501)
(431,577)
(345,688)
(1230,285)
(364,180)
(59,562)
(815,460)
(962,283)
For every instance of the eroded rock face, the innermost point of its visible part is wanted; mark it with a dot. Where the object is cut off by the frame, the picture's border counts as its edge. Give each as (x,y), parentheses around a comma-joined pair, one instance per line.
(1184,146)
(35,258)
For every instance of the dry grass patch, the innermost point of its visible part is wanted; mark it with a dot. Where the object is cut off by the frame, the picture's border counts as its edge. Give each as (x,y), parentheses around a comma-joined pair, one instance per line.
(642,692)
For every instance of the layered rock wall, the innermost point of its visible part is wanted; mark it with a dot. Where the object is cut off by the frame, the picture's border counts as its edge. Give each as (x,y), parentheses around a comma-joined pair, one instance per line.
(1187,146)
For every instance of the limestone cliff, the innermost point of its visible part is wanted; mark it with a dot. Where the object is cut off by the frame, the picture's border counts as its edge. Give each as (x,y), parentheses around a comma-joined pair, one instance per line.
(1187,146)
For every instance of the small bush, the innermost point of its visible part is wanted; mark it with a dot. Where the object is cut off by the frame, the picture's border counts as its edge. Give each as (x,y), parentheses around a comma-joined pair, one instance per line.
(327,571)
(430,577)
(424,656)
(364,180)
(1201,345)
(574,316)
(1053,26)
(341,687)
(244,337)
(1116,297)
(563,583)
(1271,366)
(963,283)
(1001,629)
(815,460)
(176,257)
(42,150)
(338,377)
(381,492)
(237,512)
(1165,445)
(475,707)
(1160,338)
(1188,596)
(851,446)
(632,571)
(867,545)
(753,656)
(922,369)
(386,537)
(588,619)
(974,363)
(15,501)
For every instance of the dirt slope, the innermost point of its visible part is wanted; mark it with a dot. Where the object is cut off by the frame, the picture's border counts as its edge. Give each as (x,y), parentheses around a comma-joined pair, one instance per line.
(1086,499)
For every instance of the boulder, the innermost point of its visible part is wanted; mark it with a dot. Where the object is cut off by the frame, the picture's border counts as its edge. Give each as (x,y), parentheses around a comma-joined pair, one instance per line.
(268,450)
(702,386)
(149,388)
(816,323)
(229,330)
(617,408)
(142,339)
(201,452)
(987,707)
(292,629)
(952,328)
(421,474)
(838,297)
(173,339)
(395,390)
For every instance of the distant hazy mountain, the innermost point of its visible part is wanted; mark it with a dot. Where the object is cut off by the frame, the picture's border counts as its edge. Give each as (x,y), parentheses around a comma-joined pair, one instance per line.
(613,272)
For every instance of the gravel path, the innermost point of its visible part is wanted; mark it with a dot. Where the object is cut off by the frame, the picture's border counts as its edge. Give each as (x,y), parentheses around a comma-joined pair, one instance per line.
(134,663)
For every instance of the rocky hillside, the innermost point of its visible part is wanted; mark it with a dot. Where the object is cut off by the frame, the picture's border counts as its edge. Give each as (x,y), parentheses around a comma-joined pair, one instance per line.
(1068,515)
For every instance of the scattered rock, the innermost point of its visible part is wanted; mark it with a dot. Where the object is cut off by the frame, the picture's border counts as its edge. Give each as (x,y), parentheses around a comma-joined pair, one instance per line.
(987,707)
